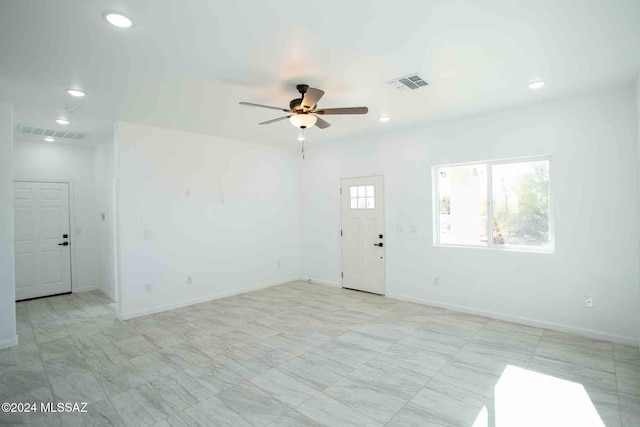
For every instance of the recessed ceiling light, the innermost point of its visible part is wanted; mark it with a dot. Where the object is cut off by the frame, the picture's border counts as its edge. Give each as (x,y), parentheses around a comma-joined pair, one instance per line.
(62,121)
(76,92)
(537,85)
(118,20)
(384,118)
(49,139)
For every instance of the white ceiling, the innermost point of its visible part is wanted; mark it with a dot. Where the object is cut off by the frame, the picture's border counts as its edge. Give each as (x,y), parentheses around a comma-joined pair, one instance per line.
(187,64)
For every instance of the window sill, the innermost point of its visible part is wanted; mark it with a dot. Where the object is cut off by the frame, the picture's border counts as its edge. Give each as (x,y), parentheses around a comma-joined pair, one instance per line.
(531,250)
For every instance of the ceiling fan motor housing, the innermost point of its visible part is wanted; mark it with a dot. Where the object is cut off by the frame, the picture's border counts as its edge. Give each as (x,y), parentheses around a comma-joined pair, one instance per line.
(295,104)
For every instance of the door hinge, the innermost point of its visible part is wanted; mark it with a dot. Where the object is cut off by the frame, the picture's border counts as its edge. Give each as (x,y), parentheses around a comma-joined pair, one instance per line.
(340,190)
(341,233)
(342,274)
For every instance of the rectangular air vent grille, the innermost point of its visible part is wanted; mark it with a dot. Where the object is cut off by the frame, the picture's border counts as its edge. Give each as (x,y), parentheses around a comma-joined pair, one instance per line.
(37,131)
(412,81)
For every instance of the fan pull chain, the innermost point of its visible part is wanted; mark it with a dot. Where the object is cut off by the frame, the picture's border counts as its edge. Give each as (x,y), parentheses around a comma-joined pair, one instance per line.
(302,150)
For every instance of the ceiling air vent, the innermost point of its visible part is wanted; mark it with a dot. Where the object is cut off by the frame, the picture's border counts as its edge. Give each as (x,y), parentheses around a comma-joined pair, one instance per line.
(412,81)
(33,130)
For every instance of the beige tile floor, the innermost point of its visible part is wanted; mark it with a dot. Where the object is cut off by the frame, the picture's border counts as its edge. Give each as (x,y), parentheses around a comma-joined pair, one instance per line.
(293,355)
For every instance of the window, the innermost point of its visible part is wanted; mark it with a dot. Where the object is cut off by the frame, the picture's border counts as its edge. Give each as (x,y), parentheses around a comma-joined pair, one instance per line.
(507,200)
(362,197)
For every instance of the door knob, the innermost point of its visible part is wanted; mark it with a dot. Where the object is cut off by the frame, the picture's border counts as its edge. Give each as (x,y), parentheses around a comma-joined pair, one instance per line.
(378,244)
(63,244)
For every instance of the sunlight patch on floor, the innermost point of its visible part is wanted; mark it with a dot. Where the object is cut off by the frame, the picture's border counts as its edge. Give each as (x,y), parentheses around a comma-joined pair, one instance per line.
(527,398)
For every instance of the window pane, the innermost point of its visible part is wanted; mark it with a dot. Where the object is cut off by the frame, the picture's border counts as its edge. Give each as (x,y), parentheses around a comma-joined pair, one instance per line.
(361,191)
(361,204)
(463,204)
(521,203)
(354,203)
(353,191)
(370,203)
(370,191)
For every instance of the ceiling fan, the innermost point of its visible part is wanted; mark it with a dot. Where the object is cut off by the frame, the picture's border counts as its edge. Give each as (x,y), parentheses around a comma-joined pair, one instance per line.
(304,111)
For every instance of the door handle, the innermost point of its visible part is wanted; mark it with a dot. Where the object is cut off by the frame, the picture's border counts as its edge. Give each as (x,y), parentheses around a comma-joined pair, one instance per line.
(378,244)
(63,244)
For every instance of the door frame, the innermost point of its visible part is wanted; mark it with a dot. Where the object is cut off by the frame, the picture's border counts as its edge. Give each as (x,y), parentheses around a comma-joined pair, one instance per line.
(384,229)
(72,222)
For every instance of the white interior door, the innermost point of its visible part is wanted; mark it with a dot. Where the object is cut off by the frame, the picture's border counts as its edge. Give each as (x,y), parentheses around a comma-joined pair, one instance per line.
(42,248)
(363,234)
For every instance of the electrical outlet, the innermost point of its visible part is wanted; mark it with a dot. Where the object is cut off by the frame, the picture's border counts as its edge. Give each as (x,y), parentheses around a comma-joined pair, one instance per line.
(399,229)
(147,287)
(588,302)
(147,235)
(413,229)
(436,281)
(189,281)
(279,264)
(187,193)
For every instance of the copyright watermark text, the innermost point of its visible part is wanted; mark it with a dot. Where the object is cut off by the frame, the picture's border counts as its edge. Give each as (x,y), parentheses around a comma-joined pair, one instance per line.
(24,407)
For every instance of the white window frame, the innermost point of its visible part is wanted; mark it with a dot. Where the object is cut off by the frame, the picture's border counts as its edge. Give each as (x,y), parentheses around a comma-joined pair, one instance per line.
(490,245)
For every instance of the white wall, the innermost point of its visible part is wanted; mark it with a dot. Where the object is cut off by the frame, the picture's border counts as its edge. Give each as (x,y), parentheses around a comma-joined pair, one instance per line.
(240,220)
(8,335)
(592,143)
(104,200)
(57,161)
(638,154)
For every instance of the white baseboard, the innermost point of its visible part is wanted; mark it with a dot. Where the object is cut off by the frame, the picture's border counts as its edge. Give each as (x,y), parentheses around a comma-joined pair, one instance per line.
(173,306)
(321,282)
(11,342)
(106,293)
(86,289)
(619,339)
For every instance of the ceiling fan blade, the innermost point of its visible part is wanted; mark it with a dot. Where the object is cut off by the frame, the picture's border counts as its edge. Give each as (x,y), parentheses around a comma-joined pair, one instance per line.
(322,124)
(350,110)
(311,98)
(268,122)
(251,104)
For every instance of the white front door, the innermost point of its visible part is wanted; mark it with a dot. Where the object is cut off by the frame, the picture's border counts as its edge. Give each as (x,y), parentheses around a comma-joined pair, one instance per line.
(363,234)
(43,260)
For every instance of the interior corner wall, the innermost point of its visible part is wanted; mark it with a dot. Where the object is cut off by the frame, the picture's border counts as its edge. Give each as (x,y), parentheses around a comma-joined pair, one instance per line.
(8,335)
(43,161)
(223,213)
(592,141)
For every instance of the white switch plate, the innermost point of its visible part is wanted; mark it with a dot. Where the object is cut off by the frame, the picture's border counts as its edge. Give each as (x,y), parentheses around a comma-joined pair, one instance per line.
(588,302)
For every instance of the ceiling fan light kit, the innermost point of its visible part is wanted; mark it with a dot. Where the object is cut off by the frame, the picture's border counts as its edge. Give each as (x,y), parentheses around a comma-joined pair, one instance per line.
(303,121)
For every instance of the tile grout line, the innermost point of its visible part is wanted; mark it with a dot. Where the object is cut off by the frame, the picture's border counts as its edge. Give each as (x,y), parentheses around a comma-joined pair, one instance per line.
(436,373)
